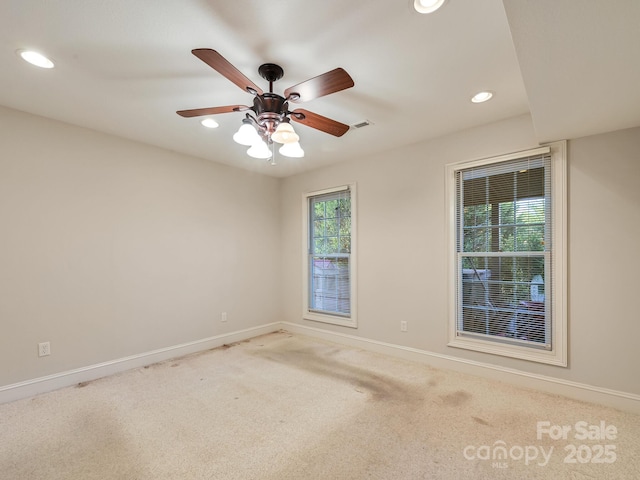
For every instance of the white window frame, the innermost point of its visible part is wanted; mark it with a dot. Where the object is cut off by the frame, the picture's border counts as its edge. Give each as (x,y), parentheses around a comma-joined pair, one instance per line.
(557,354)
(307,313)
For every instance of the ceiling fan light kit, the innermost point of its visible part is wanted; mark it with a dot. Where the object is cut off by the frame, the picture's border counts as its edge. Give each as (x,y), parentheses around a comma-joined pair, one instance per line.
(268,120)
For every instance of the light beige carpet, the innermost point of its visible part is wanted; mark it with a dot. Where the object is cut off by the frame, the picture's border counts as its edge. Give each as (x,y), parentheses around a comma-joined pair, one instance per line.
(284,406)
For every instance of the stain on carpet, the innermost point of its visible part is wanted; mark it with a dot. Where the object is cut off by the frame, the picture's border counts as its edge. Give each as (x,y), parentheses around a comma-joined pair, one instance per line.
(480,421)
(456,399)
(381,388)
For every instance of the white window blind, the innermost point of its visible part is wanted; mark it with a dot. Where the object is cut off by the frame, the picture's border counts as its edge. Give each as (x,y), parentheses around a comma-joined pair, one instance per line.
(329,253)
(503,251)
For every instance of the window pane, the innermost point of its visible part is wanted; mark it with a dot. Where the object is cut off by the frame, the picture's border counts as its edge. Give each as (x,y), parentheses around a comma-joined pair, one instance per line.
(331,208)
(507,239)
(331,227)
(318,210)
(345,225)
(345,207)
(320,245)
(332,245)
(530,238)
(345,244)
(477,239)
(330,285)
(504,296)
(477,235)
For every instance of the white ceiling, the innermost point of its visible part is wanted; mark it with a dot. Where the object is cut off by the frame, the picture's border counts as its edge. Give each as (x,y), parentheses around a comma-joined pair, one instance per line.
(124,67)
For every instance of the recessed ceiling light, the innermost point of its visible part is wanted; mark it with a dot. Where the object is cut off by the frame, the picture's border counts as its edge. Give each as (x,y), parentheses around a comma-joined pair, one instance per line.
(210,123)
(35,58)
(427,6)
(482,96)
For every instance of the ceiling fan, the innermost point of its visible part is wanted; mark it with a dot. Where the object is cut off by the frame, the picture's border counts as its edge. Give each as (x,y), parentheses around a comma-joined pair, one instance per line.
(268,120)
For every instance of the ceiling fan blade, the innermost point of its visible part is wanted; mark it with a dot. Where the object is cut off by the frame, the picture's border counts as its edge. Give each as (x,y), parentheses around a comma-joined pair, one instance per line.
(224,68)
(319,122)
(197,112)
(330,82)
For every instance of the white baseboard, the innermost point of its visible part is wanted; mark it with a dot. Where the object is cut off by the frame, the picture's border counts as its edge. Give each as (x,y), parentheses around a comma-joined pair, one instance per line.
(613,398)
(29,388)
(603,396)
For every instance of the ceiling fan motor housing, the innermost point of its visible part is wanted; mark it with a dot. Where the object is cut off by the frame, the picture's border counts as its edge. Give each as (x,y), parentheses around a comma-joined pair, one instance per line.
(270,110)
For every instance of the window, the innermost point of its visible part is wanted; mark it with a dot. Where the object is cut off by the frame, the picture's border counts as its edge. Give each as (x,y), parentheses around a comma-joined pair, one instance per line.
(507,240)
(329,290)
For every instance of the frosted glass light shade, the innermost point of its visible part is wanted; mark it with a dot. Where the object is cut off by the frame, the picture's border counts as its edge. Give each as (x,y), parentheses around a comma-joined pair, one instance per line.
(285,134)
(246,135)
(292,150)
(259,150)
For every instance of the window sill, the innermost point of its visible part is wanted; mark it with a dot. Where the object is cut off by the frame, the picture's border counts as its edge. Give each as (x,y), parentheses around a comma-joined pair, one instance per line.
(331,319)
(550,357)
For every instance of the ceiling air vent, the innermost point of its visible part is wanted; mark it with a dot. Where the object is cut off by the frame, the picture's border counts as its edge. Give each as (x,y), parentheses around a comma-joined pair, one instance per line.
(364,123)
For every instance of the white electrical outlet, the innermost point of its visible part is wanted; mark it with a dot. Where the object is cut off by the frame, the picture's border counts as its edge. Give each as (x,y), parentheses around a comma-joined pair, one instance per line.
(403,325)
(44,349)
(223,317)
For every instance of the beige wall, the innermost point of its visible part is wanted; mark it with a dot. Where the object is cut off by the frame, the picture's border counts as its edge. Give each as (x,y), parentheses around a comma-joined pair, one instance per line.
(111,248)
(402,247)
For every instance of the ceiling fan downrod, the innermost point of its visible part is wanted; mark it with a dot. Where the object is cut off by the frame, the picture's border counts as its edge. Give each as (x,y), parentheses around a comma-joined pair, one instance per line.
(271,73)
